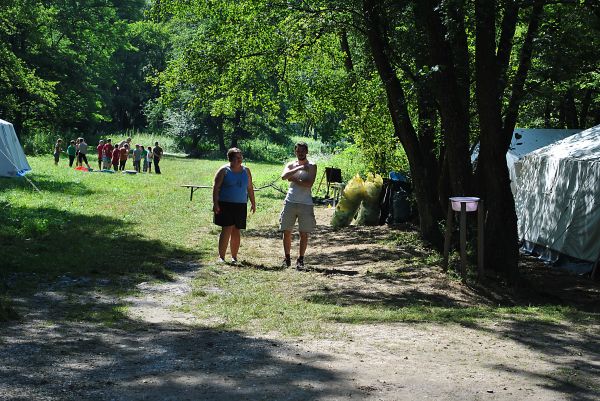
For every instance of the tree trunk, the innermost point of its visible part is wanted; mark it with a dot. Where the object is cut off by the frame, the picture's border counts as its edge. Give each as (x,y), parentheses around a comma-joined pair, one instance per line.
(548,114)
(501,250)
(236,133)
(348,64)
(585,109)
(423,175)
(214,126)
(570,110)
(451,89)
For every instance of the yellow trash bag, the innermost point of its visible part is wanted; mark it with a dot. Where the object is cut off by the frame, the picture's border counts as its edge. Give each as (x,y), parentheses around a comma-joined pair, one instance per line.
(368,213)
(349,202)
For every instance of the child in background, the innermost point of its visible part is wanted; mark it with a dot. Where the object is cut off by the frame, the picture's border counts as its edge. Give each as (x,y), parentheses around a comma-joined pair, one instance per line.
(149,158)
(82,153)
(123,158)
(57,150)
(100,150)
(144,158)
(116,156)
(71,151)
(78,162)
(137,157)
(107,152)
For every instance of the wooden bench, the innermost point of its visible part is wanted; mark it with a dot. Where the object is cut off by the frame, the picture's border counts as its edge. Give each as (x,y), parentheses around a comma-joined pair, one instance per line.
(194,188)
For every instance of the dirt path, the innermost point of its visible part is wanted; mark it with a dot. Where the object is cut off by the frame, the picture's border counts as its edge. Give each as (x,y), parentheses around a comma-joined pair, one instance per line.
(157,353)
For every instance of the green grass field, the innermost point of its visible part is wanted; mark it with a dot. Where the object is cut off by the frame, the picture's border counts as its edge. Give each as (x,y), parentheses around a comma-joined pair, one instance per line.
(101,223)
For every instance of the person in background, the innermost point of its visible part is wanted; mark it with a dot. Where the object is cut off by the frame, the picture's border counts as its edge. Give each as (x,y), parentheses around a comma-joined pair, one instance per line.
(107,154)
(115,158)
(83,148)
(137,158)
(150,158)
(144,158)
(298,203)
(78,162)
(100,150)
(71,152)
(124,152)
(231,191)
(126,141)
(158,152)
(57,151)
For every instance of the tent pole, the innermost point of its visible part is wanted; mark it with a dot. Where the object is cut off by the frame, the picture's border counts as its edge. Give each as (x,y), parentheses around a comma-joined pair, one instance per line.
(17,167)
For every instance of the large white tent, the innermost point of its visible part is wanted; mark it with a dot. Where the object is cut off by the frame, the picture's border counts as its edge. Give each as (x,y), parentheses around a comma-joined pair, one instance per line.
(12,158)
(558,201)
(524,141)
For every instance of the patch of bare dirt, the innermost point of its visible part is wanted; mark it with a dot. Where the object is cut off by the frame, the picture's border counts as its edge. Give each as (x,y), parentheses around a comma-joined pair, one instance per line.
(156,352)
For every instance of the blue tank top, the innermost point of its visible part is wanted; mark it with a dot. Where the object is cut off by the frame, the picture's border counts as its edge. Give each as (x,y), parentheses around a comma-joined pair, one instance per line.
(234,187)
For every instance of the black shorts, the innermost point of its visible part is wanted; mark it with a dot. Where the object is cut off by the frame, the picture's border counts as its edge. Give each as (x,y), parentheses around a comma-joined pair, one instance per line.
(232,214)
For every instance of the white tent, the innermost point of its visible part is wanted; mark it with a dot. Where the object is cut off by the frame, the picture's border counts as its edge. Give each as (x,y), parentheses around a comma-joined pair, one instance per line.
(524,141)
(558,201)
(12,159)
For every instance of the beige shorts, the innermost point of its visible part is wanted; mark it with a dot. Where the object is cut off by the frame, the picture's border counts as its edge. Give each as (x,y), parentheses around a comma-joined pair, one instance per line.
(304,213)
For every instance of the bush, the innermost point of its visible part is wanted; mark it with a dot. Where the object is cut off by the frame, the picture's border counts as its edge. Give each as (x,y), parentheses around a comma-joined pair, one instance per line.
(40,142)
(264,150)
(349,159)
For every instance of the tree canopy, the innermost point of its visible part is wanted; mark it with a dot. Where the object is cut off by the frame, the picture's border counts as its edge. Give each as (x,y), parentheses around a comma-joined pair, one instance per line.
(413,84)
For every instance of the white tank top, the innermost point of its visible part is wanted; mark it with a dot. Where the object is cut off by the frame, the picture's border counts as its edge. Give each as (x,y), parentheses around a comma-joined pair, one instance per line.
(298,193)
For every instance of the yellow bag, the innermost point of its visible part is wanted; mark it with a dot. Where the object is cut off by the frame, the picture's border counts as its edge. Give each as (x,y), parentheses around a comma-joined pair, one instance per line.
(352,195)
(368,214)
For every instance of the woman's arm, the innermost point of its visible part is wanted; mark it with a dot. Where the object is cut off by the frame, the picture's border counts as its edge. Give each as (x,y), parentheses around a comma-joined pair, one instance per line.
(217,188)
(251,191)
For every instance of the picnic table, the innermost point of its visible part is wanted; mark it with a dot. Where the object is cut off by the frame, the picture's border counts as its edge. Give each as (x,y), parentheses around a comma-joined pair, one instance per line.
(193,188)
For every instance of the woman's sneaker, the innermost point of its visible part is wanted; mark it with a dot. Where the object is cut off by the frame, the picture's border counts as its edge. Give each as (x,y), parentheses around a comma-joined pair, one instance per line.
(300,264)
(287,262)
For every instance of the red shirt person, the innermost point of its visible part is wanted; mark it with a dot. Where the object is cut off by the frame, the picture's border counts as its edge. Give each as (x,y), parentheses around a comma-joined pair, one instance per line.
(124,152)
(116,156)
(100,150)
(107,153)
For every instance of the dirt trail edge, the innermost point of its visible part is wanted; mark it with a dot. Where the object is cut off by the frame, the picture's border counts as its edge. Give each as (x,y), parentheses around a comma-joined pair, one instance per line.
(158,353)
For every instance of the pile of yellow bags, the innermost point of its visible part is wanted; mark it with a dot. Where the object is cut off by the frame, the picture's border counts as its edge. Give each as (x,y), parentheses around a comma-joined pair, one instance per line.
(368,214)
(356,192)
(349,202)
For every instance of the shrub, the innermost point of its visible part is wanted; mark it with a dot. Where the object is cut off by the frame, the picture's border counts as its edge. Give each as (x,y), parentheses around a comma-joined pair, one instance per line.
(40,142)
(264,150)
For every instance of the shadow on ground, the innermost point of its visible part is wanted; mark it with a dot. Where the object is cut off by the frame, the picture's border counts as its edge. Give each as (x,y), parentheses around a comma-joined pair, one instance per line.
(157,362)
(45,183)
(43,246)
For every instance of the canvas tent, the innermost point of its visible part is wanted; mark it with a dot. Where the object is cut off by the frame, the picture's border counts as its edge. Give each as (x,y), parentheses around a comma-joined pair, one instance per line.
(524,141)
(558,201)
(12,159)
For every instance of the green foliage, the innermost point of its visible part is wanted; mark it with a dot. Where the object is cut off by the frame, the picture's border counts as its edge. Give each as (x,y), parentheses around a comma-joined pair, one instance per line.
(85,223)
(75,66)
(564,81)
(264,150)
(350,160)
(40,141)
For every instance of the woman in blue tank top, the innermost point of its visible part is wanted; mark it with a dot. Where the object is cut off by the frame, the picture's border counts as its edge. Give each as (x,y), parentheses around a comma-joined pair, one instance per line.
(231,190)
